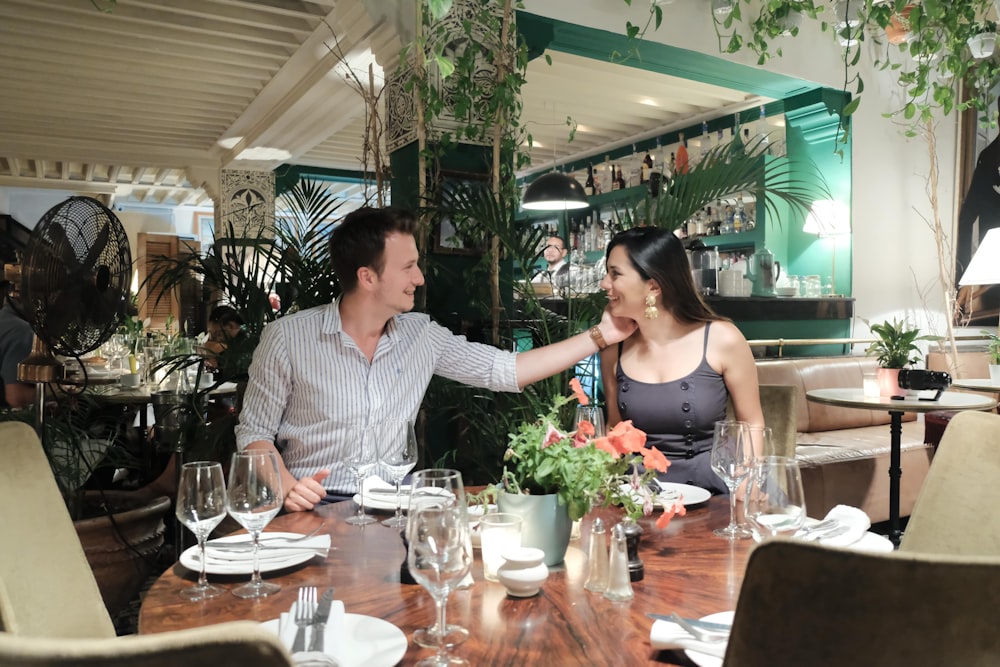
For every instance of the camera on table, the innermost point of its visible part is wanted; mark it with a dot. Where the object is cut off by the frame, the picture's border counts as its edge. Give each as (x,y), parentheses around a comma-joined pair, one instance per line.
(916,379)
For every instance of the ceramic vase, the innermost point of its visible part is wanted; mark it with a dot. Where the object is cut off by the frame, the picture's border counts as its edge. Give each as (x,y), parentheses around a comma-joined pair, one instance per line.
(995,373)
(545,522)
(523,571)
(888,382)
(982,45)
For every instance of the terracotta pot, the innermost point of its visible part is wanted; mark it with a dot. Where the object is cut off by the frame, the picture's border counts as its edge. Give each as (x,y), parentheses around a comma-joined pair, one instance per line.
(121,554)
(899,26)
(888,382)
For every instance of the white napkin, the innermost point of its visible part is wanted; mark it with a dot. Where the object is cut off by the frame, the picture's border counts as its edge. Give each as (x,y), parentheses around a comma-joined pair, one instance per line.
(268,553)
(666,635)
(373,482)
(333,637)
(857,523)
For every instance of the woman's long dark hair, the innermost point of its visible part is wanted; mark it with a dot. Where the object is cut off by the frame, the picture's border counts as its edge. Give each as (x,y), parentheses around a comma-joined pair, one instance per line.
(659,255)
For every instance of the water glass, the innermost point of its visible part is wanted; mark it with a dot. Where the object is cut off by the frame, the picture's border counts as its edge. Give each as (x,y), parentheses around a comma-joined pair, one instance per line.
(254,498)
(592,414)
(869,384)
(399,452)
(498,532)
(201,507)
(775,501)
(731,459)
(439,554)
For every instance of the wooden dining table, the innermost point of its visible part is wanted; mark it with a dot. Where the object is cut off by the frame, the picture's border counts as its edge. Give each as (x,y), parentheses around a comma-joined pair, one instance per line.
(688,570)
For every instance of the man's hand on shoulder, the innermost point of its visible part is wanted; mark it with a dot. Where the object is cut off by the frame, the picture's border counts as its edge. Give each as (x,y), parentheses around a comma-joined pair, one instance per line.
(307,493)
(616,329)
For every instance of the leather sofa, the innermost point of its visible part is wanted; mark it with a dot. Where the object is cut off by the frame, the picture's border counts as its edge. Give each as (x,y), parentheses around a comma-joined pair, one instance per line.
(844,452)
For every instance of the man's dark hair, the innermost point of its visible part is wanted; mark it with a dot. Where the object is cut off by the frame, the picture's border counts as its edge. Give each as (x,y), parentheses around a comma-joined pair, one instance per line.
(360,241)
(224,315)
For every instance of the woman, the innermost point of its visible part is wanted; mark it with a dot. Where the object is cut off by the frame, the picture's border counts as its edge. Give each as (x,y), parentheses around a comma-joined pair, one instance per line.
(672,376)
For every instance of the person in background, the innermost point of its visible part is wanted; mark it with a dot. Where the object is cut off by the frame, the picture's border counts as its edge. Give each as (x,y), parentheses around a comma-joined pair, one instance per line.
(366,358)
(224,325)
(16,338)
(556,271)
(673,375)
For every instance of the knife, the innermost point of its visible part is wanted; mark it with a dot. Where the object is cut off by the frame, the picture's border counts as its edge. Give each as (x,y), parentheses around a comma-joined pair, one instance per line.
(319,620)
(708,625)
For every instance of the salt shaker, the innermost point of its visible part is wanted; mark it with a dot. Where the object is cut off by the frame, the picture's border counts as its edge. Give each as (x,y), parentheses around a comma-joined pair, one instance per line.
(597,577)
(619,585)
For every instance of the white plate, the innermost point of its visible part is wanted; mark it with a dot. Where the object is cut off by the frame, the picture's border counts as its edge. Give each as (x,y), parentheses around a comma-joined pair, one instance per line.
(703,659)
(243,564)
(368,642)
(690,495)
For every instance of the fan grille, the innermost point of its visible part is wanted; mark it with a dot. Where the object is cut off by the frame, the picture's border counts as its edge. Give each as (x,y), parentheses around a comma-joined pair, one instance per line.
(75,276)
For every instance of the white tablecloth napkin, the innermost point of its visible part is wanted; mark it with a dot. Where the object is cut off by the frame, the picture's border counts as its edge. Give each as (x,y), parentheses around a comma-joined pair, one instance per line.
(333,637)
(666,635)
(857,523)
(270,552)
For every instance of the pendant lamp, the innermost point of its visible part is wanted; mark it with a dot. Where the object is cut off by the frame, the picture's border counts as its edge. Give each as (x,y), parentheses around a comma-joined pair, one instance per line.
(554,192)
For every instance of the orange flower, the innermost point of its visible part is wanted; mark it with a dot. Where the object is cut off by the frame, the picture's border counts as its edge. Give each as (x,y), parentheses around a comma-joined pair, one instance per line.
(669,512)
(574,384)
(627,438)
(604,444)
(583,432)
(654,458)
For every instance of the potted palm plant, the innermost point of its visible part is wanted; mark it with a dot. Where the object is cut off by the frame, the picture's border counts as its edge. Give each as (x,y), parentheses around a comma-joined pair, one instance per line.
(894,349)
(993,349)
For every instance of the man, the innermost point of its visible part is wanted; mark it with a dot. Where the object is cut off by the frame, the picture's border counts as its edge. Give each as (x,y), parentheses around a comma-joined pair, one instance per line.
(15,345)
(557,271)
(366,358)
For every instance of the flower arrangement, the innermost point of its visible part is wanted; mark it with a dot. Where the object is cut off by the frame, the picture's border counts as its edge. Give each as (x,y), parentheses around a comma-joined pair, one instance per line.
(583,470)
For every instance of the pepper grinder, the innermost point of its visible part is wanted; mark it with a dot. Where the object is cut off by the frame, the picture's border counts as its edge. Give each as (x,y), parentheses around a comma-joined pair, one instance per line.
(619,585)
(597,578)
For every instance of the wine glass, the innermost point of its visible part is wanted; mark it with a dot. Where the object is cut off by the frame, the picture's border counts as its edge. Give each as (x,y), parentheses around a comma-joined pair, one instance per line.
(399,455)
(731,458)
(440,553)
(201,506)
(116,348)
(255,497)
(362,460)
(592,414)
(775,500)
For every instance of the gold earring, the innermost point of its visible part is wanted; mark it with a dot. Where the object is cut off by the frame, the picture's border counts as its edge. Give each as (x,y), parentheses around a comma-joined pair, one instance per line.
(651,312)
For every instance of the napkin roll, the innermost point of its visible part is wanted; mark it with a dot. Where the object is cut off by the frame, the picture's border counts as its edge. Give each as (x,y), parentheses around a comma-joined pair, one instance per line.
(857,523)
(665,635)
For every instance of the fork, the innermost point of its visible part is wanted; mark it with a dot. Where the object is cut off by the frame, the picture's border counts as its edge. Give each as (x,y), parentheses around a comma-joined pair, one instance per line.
(822,526)
(701,634)
(305,609)
(283,540)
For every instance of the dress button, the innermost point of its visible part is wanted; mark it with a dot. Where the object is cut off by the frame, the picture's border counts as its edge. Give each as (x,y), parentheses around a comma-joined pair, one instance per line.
(686,407)
(622,408)
(684,385)
(689,438)
(624,386)
(689,454)
(687,423)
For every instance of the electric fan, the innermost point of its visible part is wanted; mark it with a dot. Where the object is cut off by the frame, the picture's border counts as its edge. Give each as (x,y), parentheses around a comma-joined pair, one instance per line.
(75,276)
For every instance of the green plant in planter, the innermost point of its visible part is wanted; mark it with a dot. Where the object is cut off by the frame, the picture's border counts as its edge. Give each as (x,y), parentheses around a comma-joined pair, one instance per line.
(993,346)
(896,344)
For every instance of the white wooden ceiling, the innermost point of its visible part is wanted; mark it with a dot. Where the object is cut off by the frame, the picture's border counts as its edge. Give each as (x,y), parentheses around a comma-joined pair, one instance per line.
(145,103)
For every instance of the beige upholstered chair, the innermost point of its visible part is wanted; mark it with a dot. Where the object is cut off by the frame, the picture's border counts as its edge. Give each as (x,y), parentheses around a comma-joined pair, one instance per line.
(237,644)
(956,511)
(777,402)
(805,604)
(50,587)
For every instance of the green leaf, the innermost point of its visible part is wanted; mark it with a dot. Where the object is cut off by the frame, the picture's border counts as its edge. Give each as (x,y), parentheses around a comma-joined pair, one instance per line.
(851,107)
(445,66)
(438,8)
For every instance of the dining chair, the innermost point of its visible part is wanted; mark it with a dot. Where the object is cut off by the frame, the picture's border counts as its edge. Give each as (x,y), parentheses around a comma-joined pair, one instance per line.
(777,403)
(806,604)
(50,587)
(235,644)
(955,512)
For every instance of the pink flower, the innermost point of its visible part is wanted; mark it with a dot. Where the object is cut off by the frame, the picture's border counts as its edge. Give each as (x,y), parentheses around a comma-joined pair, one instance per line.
(574,384)
(552,436)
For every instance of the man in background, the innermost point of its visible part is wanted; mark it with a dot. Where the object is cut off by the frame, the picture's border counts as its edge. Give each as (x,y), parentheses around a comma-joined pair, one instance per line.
(556,272)
(15,345)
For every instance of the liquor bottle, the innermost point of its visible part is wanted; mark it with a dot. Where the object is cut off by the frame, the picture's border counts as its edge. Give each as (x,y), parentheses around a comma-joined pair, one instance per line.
(621,180)
(647,167)
(738,214)
(762,131)
(682,156)
(704,139)
(746,139)
(615,185)
(588,188)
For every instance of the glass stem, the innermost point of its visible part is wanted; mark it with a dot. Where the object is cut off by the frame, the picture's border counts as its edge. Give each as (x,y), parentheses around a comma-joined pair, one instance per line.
(255,579)
(442,626)
(399,509)
(203,575)
(732,506)
(361,492)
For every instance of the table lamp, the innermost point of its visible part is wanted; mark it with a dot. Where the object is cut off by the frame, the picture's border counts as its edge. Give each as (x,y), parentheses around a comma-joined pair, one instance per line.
(984,269)
(829,217)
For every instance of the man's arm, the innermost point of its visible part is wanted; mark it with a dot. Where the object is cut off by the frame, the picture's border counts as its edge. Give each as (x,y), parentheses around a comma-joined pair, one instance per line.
(18,394)
(300,494)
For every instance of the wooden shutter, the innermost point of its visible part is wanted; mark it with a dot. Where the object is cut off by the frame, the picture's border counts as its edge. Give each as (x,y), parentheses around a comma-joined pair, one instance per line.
(153,303)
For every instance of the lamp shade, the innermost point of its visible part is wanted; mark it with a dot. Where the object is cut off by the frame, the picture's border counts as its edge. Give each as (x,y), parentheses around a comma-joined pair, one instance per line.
(554,192)
(984,269)
(828,217)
